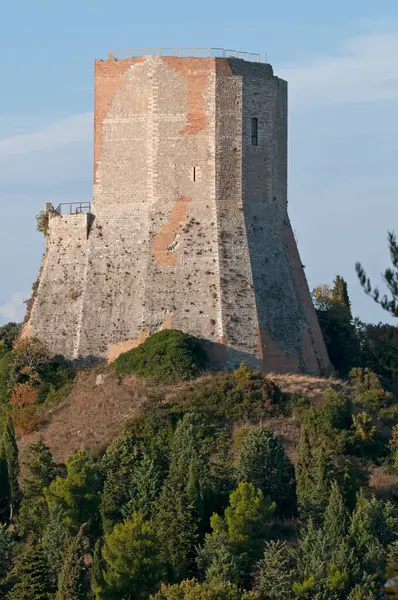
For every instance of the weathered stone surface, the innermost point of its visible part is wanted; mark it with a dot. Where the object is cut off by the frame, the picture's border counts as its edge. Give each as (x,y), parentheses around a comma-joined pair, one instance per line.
(190,228)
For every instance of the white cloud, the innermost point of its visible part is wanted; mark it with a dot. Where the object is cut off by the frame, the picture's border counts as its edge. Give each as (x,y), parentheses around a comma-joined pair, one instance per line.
(15,309)
(365,70)
(72,130)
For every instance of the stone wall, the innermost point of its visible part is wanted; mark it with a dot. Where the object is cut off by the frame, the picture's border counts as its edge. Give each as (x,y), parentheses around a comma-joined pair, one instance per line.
(189,227)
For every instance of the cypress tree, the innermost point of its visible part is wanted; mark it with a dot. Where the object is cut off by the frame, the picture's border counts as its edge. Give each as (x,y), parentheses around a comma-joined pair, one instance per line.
(41,471)
(5,492)
(264,463)
(305,472)
(11,454)
(33,574)
(72,579)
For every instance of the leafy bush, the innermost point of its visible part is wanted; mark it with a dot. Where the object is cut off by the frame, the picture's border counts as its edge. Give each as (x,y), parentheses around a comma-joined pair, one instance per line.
(368,390)
(239,396)
(9,333)
(167,357)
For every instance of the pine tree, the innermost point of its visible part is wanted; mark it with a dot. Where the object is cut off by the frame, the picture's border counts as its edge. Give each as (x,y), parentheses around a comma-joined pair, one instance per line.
(97,583)
(145,486)
(264,463)
(340,293)
(11,453)
(131,554)
(182,512)
(6,547)
(5,491)
(72,578)
(32,571)
(305,476)
(77,493)
(277,571)
(336,517)
(390,276)
(54,540)
(41,471)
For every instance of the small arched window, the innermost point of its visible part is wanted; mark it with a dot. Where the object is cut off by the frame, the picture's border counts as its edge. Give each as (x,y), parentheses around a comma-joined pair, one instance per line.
(254,131)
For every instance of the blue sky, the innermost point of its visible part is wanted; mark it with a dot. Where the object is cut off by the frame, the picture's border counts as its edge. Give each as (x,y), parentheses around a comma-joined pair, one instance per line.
(339,59)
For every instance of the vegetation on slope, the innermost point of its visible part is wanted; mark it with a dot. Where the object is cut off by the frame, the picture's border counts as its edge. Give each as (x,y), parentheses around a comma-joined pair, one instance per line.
(197,498)
(168,356)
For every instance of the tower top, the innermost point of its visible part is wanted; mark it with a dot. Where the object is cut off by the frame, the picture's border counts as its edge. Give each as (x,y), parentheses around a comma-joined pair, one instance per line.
(186,53)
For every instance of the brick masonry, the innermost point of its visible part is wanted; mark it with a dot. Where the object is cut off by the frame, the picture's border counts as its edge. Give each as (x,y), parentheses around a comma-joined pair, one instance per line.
(190,228)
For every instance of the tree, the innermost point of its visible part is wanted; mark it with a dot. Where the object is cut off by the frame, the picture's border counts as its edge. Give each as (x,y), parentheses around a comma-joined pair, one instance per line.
(55,537)
(78,493)
(333,309)
(9,333)
(34,582)
(6,548)
(131,552)
(241,532)
(182,511)
(276,571)
(390,277)
(193,590)
(11,454)
(40,472)
(379,351)
(145,487)
(5,491)
(264,463)
(72,583)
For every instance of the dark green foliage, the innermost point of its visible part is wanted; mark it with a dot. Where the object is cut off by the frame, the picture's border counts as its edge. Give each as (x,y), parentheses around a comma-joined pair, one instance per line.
(6,548)
(168,356)
(5,490)
(133,569)
(369,392)
(55,536)
(333,309)
(72,584)
(32,572)
(330,424)
(390,277)
(9,333)
(11,453)
(379,351)
(277,571)
(145,487)
(150,434)
(240,396)
(41,471)
(193,590)
(183,508)
(264,463)
(5,378)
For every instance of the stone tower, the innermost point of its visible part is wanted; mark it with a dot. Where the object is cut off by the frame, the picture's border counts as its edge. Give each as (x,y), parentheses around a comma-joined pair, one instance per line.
(189,227)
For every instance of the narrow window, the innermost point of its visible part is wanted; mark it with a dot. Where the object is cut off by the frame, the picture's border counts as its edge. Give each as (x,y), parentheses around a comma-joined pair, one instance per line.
(254,131)
(194,174)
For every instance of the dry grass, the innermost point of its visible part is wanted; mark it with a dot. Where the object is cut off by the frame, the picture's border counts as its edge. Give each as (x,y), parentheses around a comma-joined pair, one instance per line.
(93,415)
(301,386)
(383,482)
(90,417)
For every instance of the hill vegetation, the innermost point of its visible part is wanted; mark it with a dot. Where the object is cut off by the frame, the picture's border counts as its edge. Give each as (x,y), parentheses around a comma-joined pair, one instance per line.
(154,478)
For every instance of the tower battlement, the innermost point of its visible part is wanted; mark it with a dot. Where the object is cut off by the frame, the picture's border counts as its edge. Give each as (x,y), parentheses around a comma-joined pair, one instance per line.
(188,228)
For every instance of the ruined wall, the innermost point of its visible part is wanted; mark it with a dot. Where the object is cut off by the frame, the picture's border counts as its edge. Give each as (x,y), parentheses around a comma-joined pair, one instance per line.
(57,308)
(189,227)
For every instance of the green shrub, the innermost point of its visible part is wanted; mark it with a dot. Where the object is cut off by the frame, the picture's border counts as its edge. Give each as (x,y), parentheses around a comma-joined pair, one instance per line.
(167,357)
(369,392)
(236,397)
(9,333)
(5,378)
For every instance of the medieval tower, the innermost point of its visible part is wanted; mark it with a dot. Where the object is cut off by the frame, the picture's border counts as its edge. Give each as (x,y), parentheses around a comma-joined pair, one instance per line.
(188,228)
